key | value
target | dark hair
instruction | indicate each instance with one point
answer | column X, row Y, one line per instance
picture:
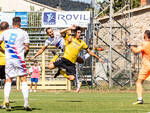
column 77, row 28
column 48, row 29
column 16, row 21
column 147, row 32
column 4, row 25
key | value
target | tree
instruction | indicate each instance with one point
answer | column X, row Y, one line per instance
column 118, row 5
column 135, row 3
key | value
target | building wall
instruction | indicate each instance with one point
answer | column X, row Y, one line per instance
column 140, row 23
column 20, row 5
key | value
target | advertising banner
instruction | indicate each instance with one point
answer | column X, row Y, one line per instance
column 24, row 18
column 65, row 18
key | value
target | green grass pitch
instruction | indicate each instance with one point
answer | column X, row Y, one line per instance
column 84, row 102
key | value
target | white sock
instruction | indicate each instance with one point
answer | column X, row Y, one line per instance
column 25, row 93
column 7, row 90
column 77, row 78
column 87, row 55
column 140, row 98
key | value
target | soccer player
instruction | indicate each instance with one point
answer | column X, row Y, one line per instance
column 16, row 49
column 144, row 72
column 34, row 71
column 66, row 33
column 55, row 39
column 72, row 49
column 3, row 26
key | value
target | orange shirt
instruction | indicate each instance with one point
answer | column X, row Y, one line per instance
column 145, row 53
column 145, row 50
column 144, row 73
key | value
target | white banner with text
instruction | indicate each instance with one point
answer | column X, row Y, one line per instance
column 65, row 18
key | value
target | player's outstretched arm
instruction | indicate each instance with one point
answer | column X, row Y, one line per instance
column 93, row 54
column 134, row 48
column 69, row 28
column 38, row 53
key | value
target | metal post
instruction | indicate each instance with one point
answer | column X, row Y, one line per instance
column 92, row 35
column 43, row 69
column 92, row 26
column 111, row 37
column 129, row 14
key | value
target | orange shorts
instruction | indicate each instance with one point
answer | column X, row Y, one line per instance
column 144, row 73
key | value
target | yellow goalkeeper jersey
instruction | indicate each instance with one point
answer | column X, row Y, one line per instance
column 72, row 49
column 66, row 39
column 2, row 56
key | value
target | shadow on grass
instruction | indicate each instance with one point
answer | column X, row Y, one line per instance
column 14, row 108
column 141, row 104
column 11, row 101
column 69, row 101
column 146, row 103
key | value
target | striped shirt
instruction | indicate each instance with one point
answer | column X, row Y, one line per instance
column 56, row 41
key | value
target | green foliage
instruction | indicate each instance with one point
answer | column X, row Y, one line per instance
column 135, row 3
column 119, row 4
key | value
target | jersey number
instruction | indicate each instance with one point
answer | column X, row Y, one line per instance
column 12, row 39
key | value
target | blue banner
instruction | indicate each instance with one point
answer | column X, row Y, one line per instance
column 49, row 18
column 24, row 18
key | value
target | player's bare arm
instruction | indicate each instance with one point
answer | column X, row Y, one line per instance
column 39, row 52
column 69, row 28
column 26, row 49
column 93, row 54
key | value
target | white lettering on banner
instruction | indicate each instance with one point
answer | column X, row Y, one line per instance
column 65, row 19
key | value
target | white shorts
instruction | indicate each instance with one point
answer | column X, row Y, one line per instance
column 15, row 68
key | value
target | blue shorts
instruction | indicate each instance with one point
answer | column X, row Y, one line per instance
column 34, row 80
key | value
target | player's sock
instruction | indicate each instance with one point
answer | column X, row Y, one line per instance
column 78, row 86
column 140, row 98
column 64, row 74
column 54, row 58
column 87, row 55
column 3, row 101
column 7, row 90
column 25, row 93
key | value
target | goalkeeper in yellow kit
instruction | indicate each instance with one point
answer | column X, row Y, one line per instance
column 72, row 48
